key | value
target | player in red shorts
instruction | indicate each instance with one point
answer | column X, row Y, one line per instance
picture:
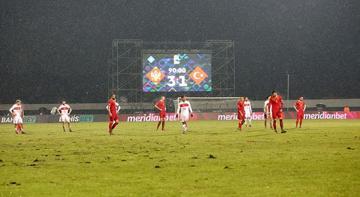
column 276, row 105
column 161, row 106
column 241, row 112
column 113, row 116
column 300, row 107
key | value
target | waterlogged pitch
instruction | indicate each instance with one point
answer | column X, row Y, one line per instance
column 213, row 159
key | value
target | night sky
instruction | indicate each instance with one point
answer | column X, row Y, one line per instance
column 50, row 50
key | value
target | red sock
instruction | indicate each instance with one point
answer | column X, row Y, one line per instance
column 274, row 124
column 281, row 124
column 163, row 125
column 158, row 125
column 110, row 126
column 297, row 122
column 114, row 125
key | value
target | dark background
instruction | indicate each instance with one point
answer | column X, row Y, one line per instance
column 51, row 50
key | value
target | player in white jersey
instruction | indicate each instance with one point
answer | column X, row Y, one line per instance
column 248, row 112
column 184, row 112
column 64, row 111
column 267, row 112
column 17, row 112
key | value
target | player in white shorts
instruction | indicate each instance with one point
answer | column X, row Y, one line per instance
column 64, row 111
column 267, row 112
column 248, row 112
column 17, row 112
column 184, row 112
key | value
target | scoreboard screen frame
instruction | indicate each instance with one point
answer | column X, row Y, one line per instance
column 192, row 73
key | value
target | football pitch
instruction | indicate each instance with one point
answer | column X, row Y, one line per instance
column 213, row 159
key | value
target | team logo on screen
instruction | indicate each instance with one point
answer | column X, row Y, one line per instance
column 155, row 75
column 198, row 75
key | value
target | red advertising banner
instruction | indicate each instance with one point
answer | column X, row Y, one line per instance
column 150, row 117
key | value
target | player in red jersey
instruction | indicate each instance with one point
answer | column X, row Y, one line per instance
column 300, row 107
column 161, row 106
column 241, row 112
column 276, row 105
column 112, row 111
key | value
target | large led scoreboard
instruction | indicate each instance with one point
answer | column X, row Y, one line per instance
column 176, row 71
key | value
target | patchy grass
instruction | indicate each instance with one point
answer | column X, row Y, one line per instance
column 213, row 159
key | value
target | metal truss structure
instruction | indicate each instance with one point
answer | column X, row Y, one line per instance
column 125, row 67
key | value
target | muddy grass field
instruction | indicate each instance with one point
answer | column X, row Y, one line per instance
column 213, row 159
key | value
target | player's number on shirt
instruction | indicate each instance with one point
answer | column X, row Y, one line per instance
column 172, row 81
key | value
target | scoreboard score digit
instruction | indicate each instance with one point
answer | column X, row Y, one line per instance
column 177, row 72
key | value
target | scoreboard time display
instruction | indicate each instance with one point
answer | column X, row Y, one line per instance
column 176, row 72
